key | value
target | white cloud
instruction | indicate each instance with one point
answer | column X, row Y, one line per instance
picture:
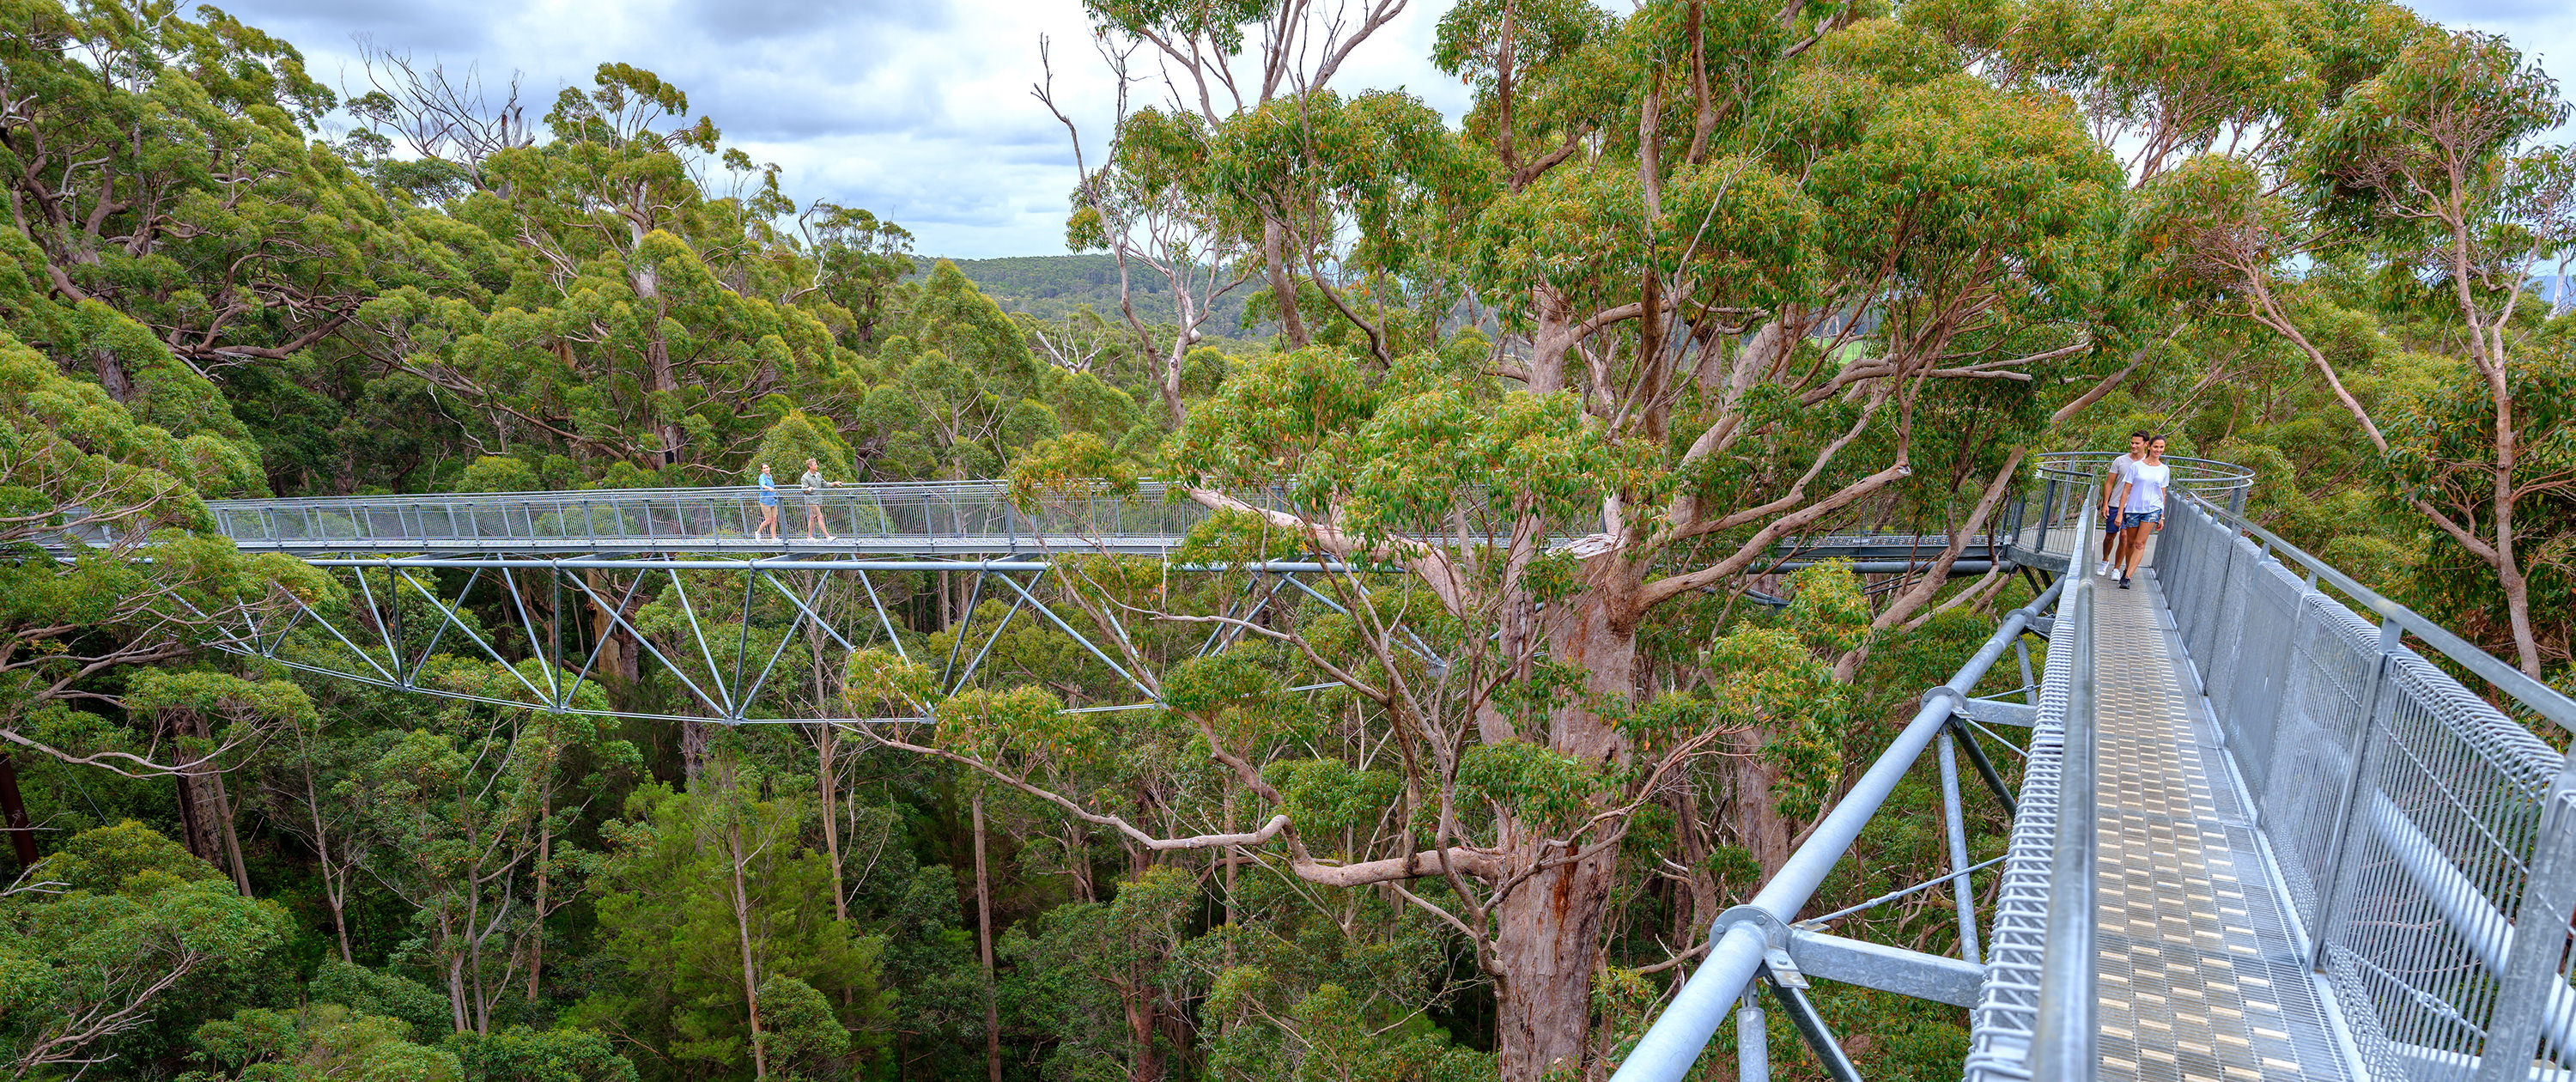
column 918, row 110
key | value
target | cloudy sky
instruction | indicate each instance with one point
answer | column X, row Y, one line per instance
column 918, row 110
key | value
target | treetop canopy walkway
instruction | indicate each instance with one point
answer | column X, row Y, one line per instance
column 2270, row 824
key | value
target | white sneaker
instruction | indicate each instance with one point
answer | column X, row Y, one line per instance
column 2104, row 568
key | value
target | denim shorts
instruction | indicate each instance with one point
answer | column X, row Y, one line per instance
column 2131, row 520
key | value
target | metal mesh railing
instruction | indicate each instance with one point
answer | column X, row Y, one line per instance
column 975, row 512
column 2420, row 832
column 2006, row 1018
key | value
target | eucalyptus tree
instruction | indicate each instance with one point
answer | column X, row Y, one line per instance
column 157, row 165
column 856, row 260
column 1152, row 202
column 2431, row 170
column 117, row 927
column 82, row 469
column 468, row 820
column 1743, row 261
column 722, row 945
column 636, row 318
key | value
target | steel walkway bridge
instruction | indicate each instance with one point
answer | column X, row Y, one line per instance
column 414, row 567
column 2268, row 824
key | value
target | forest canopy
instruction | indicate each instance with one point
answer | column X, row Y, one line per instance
column 1686, row 280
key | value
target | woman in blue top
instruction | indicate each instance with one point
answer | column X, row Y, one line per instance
column 768, row 505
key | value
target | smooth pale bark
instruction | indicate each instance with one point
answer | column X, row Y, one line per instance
column 335, row 883
column 830, row 769
column 736, row 858
column 545, row 854
column 984, row 949
column 665, row 381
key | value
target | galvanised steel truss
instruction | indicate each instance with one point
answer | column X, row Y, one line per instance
column 838, row 604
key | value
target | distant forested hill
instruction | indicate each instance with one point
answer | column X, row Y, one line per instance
column 1050, row 286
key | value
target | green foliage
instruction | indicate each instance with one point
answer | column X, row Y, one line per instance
column 370, row 992
column 321, row 1041
column 520, row 1054
column 703, row 890
column 1686, row 281
column 137, row 927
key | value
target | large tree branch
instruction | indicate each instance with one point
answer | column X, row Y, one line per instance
column 1938, row 574
column 1473, row 862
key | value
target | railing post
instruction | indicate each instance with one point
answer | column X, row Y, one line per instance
column 2348, row 807
column 2048, row 517
column 1752, row 1037
column 2531, row 983
column 1956, row 816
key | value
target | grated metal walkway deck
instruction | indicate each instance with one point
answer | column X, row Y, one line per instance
column 2201, row 976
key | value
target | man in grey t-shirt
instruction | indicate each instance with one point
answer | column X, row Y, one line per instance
column 814, row 484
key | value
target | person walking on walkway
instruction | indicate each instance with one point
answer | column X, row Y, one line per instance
column 814, row 484
column 2142, row 506
column 2111, row 482
column 768, row 506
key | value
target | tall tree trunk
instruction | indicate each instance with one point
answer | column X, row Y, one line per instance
column 227, row 839
column 1283, row 286
column 1141, row 1028
column 693, row 748
column 618, row 653
column 665, row 381
column 111, row 373
column 824, row 792
column 537, row 924
column 1764, row 832
column 22, row 837
column 456, row 992
column 195, row 823
column 1547, row 946
column 984, row 950
column 742, row 930
column 1547, row 931
column 334, row 892
column 1691, row 899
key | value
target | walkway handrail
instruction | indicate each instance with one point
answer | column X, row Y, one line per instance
column 2533, row 695
column 2064, row 1047
column 1745, row 934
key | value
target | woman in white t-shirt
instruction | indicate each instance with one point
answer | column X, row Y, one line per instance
column 2142, row 505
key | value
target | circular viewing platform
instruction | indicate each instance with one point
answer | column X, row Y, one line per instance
column 2039, row 529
